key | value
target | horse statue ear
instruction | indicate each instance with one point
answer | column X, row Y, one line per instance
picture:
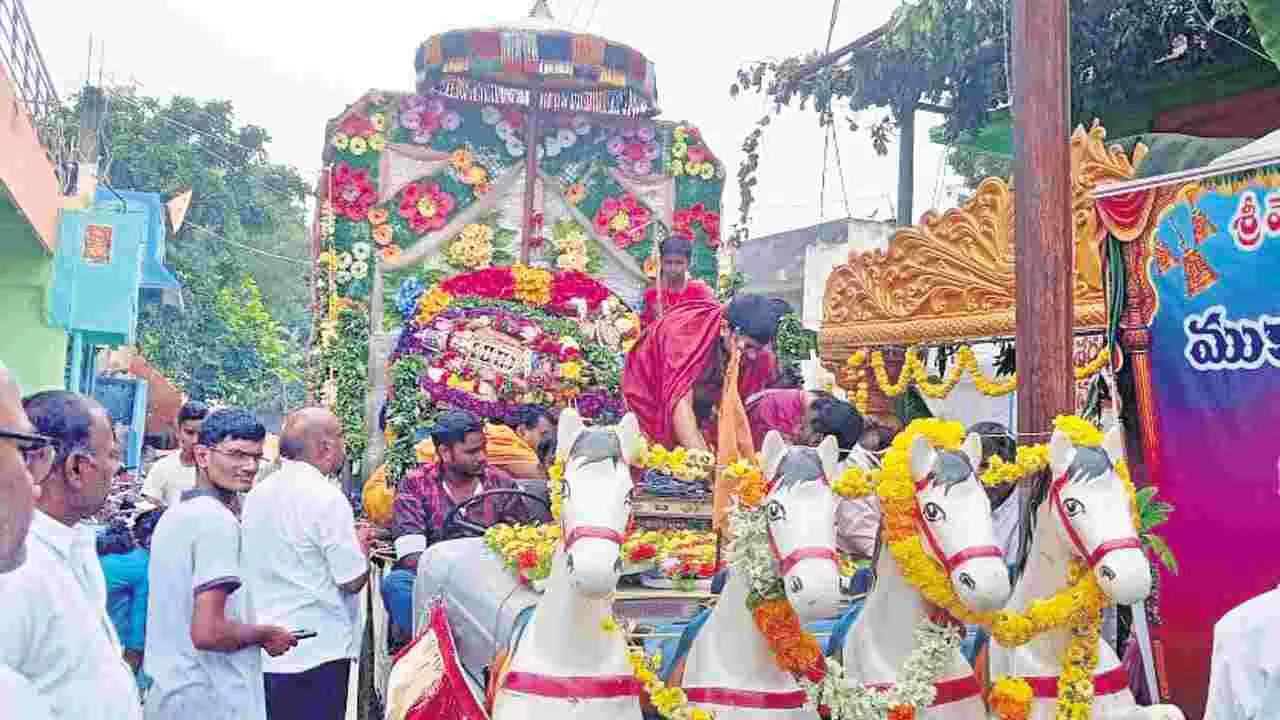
column 922, row 456
column 829, row 454
column 773, row 450
column 1060, row 453
column 569, row 427
column 631, row 440
column 1113, row 444
column 972, row 448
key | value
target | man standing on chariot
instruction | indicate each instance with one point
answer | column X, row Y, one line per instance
column 676, row 286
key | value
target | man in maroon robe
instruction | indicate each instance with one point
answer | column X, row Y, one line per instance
column 674, row 375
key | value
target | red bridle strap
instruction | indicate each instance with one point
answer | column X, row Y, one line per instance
column 585, row 687
column 1095, row 556
column 1108, row 683
column 813, row 552
column 592, row 531
column 754, row 699
column 951, row 562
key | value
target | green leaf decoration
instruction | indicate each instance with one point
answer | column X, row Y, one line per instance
column 1162, row 551
column 1265, row 15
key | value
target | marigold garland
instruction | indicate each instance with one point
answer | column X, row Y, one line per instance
column 854, row 482
column 915, row 373
column 670, row 702
column 794, row 649
column 1030, row 459
column 1010, row 698
column 1078, row 606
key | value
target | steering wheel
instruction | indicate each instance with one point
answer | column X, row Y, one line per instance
column 456, row 524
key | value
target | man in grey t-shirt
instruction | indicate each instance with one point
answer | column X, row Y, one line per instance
column 202, row 648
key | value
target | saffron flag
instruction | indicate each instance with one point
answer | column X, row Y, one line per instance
column 733, row 437
column 178, row 207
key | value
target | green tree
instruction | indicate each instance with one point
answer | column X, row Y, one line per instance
column 241, row 253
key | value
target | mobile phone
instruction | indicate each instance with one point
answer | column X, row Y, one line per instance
column 303, row 634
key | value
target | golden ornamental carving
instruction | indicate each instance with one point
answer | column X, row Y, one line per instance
column 951, row 277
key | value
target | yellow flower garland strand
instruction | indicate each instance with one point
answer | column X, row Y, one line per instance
column 1077, row 606
column 670, row 702
column 915, row 373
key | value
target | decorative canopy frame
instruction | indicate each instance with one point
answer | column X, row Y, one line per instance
column 951, row 278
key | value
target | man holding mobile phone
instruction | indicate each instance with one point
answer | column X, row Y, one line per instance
column 203, row 645
column 306, row 567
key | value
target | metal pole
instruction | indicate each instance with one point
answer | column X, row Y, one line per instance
column 906, row 165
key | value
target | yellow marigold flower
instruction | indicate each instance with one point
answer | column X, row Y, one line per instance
column 341, row 141
column 357, row 146
column 1081, row 432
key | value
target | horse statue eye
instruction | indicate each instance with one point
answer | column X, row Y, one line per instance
column 1073, row 507
column 934, row 512
column 775, row 511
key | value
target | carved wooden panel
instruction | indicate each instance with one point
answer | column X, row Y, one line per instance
column 951, row 278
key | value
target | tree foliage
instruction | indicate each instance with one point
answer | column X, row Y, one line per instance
column 238, row 338
column 956, row 54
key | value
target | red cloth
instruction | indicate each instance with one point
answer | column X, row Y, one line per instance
column 1126, row 215
column 450, row 697
column 781, row 410
column 670, row 356
column 694, row 291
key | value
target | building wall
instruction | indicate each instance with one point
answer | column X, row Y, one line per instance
column 821, row 258
column 26, row 173
column 32, row 350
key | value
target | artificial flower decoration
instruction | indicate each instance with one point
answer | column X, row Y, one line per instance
column 353, row 192
column 378, row 216
column 461, row 159
column 697, row 214
column 473, row 248
column 382, row 234
column 634, row 149
column 624, row 220
column 361, row 250
column 357, row 146
column 575, row 193
column 359, row 269
column 390, row 253
column 426, row 206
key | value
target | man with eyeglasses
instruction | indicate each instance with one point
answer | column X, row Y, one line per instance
column 55, row 629
column 203, row 645
column 19, row 445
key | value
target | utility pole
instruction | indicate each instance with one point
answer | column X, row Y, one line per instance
column 1042, row 211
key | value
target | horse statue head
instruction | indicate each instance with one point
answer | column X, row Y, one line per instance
column 595, row 498
column 953, row 518
column 800, row 509
column 1090, row 503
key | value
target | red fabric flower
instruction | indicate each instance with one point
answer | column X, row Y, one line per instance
column 527, row 560
column 353, row 192
column 426, row 207
column 356, row 126
column 697, row 155
column 624, row 220
column 646, row 551
column 570, row 284
column 682, row 222
column 497, row 283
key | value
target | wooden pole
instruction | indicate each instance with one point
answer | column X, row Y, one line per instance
column 1042, row 211
column 530, row 173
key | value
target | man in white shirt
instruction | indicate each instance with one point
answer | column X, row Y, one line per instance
column 306, row 568
column 55, row 630
column 175, row 473
column 19, row 447
column 1243, row 682
column 203, row 645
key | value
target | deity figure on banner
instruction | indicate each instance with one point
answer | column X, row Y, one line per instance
column 676, row 377
column 674, row 283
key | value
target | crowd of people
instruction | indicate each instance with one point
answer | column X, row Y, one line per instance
column 234, row 593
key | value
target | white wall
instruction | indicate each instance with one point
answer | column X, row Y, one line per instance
column 821, row 258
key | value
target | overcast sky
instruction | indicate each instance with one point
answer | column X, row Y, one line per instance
column 289, row 66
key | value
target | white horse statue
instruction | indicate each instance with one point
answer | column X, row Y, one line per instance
column 730, row 669
column 1086, row 515
column 565, row 664
column 954, row 521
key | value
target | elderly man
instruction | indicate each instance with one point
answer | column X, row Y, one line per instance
column 19, row 446
column 203, row 645
column 55, row 629
column 306, row 568
column 428, row 495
